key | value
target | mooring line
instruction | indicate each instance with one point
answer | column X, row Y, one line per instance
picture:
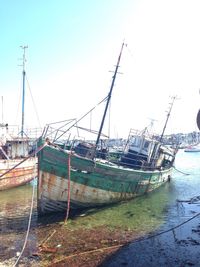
column 181, row 171
column 28, row 229
column 168, row 230
column 31, row 209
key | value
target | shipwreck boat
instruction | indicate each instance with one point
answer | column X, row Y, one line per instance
column 18, row 165
column 85, row 175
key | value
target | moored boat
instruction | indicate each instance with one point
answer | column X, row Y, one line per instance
column 84, row 174
column 18, row 165
column 14, row 173
column 192, row 148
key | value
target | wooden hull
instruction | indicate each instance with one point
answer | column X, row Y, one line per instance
column 91, row 184
column 20, row 175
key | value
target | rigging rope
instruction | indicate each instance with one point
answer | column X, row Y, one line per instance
column 82, row 117
column 18, row 105
column 33, row 102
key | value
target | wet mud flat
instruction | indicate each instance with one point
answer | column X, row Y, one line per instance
column 82, row 247
column 76, row 243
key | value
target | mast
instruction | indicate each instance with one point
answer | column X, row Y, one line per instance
column 23, row 88
column 109, row 96
column 168, row 115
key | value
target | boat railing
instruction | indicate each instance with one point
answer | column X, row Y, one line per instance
column 130, row 160
column 67, row 131
column 60, row 130
column 135, row 134
column 31, row 133
column 144, row 132
column 65, row 139
column 53, row 134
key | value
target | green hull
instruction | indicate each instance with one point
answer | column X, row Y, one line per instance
column 91, row 183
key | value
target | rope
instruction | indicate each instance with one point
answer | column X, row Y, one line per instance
column 42, row 243
column 168, row 230
column 33, row 102
column 31, row 210
column 68, row 189
column 28, row 229
column 89, row 251
column 81, row 118
column 181, row 171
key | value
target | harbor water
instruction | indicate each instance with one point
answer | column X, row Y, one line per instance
column 166, row 208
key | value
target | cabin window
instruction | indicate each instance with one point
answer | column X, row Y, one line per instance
column 146, row 145
column 136, row 142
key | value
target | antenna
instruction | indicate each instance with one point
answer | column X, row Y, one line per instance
column 151, row 122
column 23, row 88
column 168, row 114
column 24, row 47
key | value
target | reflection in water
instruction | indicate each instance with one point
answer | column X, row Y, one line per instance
column 15, row 208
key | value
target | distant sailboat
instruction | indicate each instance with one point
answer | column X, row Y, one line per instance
column 17, row 167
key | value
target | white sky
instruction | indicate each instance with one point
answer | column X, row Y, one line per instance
column 74, row 44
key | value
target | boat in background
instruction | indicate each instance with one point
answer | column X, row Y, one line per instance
column 18, row 165
column 192, row 148
column 81, row 174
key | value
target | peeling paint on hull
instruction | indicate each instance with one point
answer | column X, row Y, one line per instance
column 91, row 184
column 20, row 175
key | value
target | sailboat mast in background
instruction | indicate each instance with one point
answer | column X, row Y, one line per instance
column 23, row 87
